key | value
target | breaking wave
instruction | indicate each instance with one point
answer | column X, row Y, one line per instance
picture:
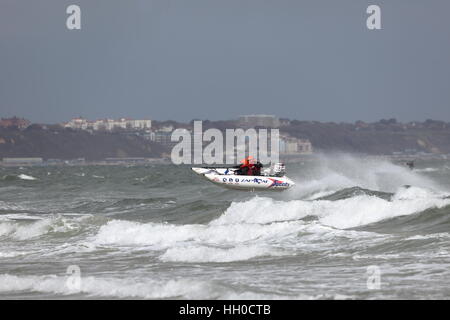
column 214, row 254
column 138, row 288
column 343, row 214
column 263, row 227
column 146, row 236
column 330, row 173
column 105, row 287
column 26, row 177
column 11, row 177
column 23, row 227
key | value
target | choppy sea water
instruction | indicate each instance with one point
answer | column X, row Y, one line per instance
column 162, row 232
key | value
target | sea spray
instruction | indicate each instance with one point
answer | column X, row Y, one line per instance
column 329, row 172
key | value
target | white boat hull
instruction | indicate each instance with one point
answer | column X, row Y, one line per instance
column 226, row 178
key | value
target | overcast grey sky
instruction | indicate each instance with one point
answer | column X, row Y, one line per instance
column 217, row 59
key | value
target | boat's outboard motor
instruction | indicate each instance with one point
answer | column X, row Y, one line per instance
column 279, row 170
column 276, row 170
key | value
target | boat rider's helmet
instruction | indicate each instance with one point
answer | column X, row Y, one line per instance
column 248, row 160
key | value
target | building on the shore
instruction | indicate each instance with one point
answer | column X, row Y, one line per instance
column 164, row 138
column 20, row 123
column 285, row 122
column 108, row 124
column 305, row 146
column 259, row 120
column 168, row 128
column 292, row 145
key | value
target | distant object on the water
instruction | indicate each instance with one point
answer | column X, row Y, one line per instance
column 410, row 164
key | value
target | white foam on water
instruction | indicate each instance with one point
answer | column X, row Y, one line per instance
column 210, row 254
column 412, row 193
column 255, row 228
column 25, row 177
column 265, row 296
column 200, row 243
column 364, row 210
column 345, row 213
column 426, row 170
column 110, row 287
column 12, row 254
column 163, row 236
column 135, row 233
column 218, row 241
column 260, row 210
column 22, row 231
column 139, row 288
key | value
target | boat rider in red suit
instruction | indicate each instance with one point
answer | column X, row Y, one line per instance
column 249, row 167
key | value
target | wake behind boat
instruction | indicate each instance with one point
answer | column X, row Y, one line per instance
column 272, row 178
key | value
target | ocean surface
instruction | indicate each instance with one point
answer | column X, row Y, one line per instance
column 351, row 228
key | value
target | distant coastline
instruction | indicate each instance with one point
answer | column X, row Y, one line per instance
column 59, row 145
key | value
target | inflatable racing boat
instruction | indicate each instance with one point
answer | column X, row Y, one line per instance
column 272, row 178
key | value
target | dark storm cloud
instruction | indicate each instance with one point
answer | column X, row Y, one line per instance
column 185, row 59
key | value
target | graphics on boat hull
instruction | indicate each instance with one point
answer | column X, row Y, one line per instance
column 225, row 177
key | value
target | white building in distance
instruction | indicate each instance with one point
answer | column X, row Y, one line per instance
column 108, row 124
column 291, row 145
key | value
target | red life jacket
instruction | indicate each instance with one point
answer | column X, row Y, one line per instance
column 251, row 169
